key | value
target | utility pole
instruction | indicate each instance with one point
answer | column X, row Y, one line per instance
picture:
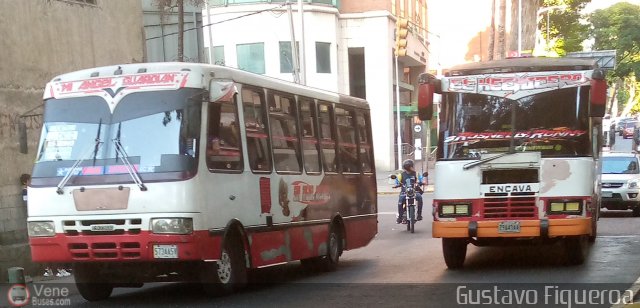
column 211, row 59
column 294, row 51
column 519, row 28
column 303, row 58
column 401, row 50
column 180, row 30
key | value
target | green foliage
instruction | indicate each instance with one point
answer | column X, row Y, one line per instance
column 564, row 25
column 617, row 27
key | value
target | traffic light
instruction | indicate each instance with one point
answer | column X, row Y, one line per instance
column 401, row 37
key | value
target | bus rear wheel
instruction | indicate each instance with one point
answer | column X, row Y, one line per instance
column 329, row 261
column 227, row 275
column 454, row 251
column 90, row 284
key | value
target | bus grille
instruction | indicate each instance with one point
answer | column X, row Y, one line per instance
column 501, row 208
column 105, row 251
column 102, row 227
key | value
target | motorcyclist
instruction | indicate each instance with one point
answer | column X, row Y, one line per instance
column 409, row 172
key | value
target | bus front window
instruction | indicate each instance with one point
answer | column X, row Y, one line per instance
column 158, row 132
column 554, row 123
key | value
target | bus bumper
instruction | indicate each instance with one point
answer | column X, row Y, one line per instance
column 528, row 228
column 131, row 248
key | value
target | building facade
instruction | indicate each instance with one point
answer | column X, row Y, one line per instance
column 348, row 47
column 41, row 39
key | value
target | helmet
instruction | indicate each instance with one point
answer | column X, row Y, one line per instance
column 407, row 164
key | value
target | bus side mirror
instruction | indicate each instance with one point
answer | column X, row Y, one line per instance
column 22, row 136
column 428, row 84
column 598, row 94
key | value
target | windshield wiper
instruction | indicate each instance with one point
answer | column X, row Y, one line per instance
column 485, row 160
column 69, row 174
column 125, row 158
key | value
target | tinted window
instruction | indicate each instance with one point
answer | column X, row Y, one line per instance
column 366, row 150
column 310, row 144
column 284, row 133
column 255, row 124
column 223, row 136
column 347, row 143
column 327, row 139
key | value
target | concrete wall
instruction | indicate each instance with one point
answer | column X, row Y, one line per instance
column 41, row 39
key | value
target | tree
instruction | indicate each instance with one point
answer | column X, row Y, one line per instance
column 617, row 28
column 566, row 31
column 167, row 6
column 492, row 31
column 502, row 42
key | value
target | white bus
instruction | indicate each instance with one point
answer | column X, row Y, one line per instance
column 181, row 171
column 518, row 153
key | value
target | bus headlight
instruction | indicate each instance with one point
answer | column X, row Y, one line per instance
column 460, row 209
column 172, row 225
column 41, row 228
column 565, row 207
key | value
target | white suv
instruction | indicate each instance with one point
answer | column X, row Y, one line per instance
column 621, row 182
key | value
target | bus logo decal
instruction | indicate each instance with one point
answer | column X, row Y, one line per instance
column 310, row 194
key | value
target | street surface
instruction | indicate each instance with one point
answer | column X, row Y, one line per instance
column 403, row 269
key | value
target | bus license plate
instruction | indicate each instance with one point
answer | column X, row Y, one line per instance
column 509, row 227
column 165, row 251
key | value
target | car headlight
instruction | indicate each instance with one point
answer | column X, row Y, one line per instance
column 172, row 225
column 461, row 209
column 633, row 184
column 41, row 228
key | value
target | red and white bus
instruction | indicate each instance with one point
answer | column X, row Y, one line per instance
column 175, row 171
column 518, row 153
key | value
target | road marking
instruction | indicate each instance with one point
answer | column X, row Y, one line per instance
column 618, row 236
column 633, row 289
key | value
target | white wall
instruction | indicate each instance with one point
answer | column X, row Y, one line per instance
column 271, row 28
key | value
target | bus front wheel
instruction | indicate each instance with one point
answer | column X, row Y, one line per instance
column 454, row 251
column 90, row 284
column 576, row 249
column 227, row 274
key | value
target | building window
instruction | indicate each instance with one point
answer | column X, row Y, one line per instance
column 286, row 57
column 251, row 57
column 91, row 2
column 218, row 55
column 323, row 57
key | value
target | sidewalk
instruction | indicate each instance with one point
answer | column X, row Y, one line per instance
column 385, row 184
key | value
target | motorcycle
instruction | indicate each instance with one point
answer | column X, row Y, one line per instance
column 409, row 205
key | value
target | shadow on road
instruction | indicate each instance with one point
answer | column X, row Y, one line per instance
column 616, row 214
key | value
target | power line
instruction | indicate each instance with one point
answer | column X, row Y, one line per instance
column 219, row 22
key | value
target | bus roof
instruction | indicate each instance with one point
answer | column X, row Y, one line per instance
column 205, row 72
column 514, row 65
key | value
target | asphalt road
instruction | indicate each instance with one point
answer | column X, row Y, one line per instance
column 408, row 270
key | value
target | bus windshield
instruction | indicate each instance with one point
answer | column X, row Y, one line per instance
column 554, row 123
column 158, row 131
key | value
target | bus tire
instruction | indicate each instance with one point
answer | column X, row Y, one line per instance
column 329, row 262
column 454, row 251
column 230, row 273
column 89, row 283
column 576, row 249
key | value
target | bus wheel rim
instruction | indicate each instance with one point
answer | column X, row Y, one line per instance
column 224, row 267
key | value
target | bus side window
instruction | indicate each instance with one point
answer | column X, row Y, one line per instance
column 285, row 141
column 364, row 127
column 310, row 144
column 224, row 151
column 253, row 105
column 347, row 144
column 327, row 139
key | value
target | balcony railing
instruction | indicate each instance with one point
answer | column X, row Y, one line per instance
column 233, row 2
